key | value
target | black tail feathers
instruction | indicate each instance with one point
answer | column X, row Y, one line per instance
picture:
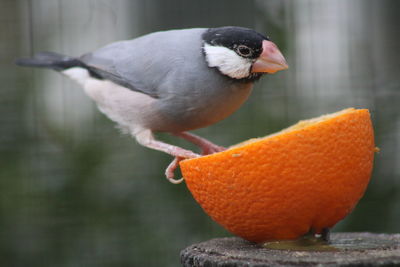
column 50, row 60
column 56, row 62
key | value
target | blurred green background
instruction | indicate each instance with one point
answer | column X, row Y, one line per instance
column 74, row 191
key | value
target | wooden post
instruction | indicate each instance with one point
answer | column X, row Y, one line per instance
column 345, row 249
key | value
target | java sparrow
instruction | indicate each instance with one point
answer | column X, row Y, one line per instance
column 171, row 81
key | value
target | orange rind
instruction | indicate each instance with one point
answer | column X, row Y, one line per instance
column 302, row 179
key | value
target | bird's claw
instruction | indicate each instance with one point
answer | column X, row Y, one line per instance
column 169, row 172
column 206, row 150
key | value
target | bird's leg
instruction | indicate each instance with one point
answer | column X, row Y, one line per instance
column 146, row 139
column 206, row 146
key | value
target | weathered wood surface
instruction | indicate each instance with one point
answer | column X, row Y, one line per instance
column 345, row 249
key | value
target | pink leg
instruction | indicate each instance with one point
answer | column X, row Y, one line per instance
column 206, row 146
column 146, row 139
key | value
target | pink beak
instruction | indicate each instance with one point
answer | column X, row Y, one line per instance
column 271, row 59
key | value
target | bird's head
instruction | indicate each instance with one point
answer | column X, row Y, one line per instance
column 241, row 53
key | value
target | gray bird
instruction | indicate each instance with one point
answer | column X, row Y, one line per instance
column 171, row 81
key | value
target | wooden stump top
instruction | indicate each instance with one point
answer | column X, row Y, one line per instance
column 345, row 249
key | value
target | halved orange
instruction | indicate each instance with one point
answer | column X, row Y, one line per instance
column 280, row 187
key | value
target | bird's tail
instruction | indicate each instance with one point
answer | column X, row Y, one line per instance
column 50, row 60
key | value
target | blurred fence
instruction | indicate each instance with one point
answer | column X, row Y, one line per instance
column 76, row 192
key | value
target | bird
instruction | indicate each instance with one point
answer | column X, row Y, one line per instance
column 171, row 81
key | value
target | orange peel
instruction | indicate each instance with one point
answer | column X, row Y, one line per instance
column 304, row 178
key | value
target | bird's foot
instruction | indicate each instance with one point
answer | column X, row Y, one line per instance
column 206, row 146
column 170, row 171
column 211, row 149
column 180, row 154
column 146, row 138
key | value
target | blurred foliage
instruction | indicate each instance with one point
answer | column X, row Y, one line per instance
column 76, row 192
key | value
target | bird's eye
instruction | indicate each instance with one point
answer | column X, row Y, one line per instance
column 244, row 51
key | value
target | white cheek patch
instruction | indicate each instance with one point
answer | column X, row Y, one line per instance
column 227, row 61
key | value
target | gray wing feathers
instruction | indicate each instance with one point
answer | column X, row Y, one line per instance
column 112, row 62
column 143, row 64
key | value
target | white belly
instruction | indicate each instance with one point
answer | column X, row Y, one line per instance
column 131, row 110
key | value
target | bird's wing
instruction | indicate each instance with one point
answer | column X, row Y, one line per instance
column 143, row 64
column 118, row 62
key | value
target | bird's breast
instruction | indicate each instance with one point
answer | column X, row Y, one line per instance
column 204, row 106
